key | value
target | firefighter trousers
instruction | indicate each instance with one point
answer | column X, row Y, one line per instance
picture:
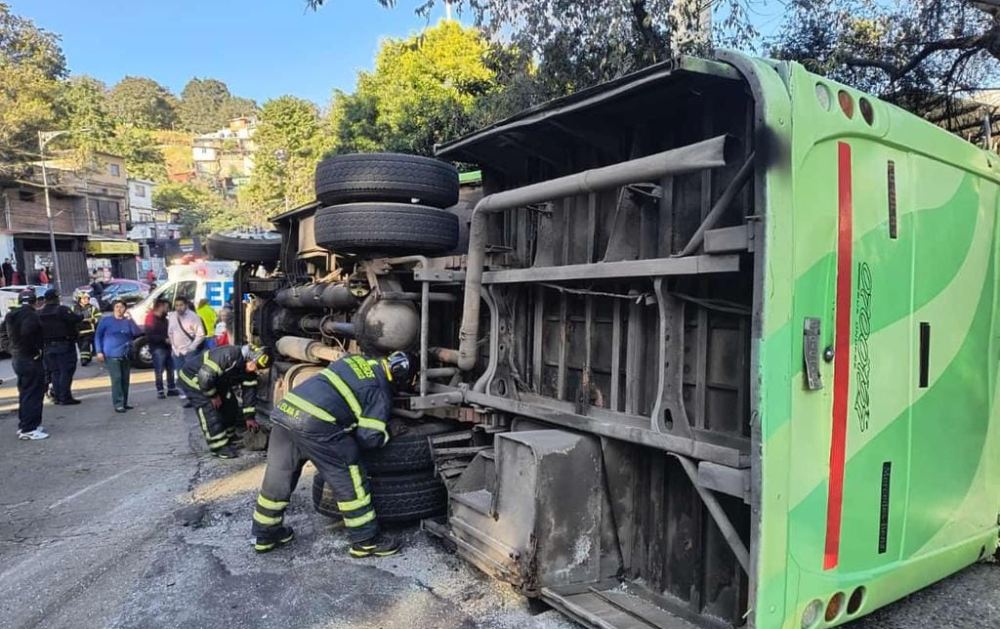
column 86, row 344
column 218, row 425
column 337, row 459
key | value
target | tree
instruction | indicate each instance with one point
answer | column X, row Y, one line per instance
column 83, row 108
column 143, row 157
column 143, row 103
column 291, row 138
column 31, row 64
column 916, row 54
column 581, row 42
column 424, row 90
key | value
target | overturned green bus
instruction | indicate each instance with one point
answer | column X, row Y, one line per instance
column 721, row 338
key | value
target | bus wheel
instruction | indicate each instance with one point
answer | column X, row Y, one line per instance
column 386, row 228
column 386, row 177
column 249, row 246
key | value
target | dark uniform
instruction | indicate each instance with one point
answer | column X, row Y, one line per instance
column 326, row 420
column 25, row 331
column 220, row 372
column 85, row 330
column 59, row 335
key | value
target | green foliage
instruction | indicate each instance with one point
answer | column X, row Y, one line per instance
column 24, row 44
column 142, row 102
column 143, row 157
column 424, row 90
column 31, row 64
column 579, row 43
column 291, row 138
column 916, row 54
column 206, row 105
column 199, row 210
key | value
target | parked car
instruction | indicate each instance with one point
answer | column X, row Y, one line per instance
column 8, row 297
column 131, row 291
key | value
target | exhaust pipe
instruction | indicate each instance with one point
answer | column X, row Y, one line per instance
column 307, row 350
column 686, row 159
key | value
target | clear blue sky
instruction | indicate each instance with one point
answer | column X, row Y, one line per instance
column 260, row 48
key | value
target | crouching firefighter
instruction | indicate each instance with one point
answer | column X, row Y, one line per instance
column 327, row 419
column 86, row 328
column 211, row 379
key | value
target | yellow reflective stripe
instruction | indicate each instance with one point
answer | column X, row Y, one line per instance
column 309, row 407
column 266, row 520
column 376, row 425
column 357, row 481
column 344, row 391
column 249, row 383
column 274, row 505
column 361, row 520
column 188, row 380
column 354, row 505
column 385, row 368
column 211, row 363
column 249, row 409
column 263, row 546
column 209, row 393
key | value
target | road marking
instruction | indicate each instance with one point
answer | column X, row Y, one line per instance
column 89, row 487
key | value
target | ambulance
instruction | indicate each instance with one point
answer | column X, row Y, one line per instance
column 188, row 277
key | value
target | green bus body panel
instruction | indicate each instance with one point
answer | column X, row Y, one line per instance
column 921, row 481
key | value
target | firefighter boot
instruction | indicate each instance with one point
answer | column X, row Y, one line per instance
column 281, row 536
column 379, row 546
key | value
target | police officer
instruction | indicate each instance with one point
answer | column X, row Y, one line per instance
column 59, row 335
column 327, row 420
column 211, row 379
column 86, row 328
column 24, row 329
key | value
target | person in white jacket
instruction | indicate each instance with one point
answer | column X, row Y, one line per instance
column 186, row 332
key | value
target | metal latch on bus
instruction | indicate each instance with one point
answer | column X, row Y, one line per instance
column 811, row 353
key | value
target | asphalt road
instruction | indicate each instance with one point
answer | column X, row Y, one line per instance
column 124, row 521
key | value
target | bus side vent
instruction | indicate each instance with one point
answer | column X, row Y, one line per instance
column 891, row 173
column 925, row 352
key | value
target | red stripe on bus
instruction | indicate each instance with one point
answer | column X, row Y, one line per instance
column 842, row 354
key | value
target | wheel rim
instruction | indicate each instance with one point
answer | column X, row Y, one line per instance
column 145, row 354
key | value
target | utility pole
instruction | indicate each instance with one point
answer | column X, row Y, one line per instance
column 44, row 137
column 447, row 10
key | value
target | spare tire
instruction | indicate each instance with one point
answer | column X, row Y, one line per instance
column 386, row 177
column 385, row 228
column 252, row 246
column 407, row 451
column 398, row 498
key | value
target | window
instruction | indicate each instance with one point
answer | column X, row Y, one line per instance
column 187, row 290
column 140, row 190
column 27, row 196
column 114, row 170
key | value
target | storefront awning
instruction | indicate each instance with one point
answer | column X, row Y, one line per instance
column 112, row 247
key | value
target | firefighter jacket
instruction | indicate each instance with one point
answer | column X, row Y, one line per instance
column 220, row 371
column 354, row 393
column 90, row 315
column 58, row 323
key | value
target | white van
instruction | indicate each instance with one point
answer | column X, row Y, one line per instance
column 195, row 280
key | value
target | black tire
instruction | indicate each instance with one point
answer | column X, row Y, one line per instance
column 398, row 498
column 245, row 246
column 386, row 177
column 386, row 228
column 406, row 452
column 141, row 356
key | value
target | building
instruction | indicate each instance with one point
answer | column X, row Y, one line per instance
column 88, row 206
column 225, row 157
column 155, row 231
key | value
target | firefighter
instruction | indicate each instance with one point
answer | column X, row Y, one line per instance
column 211, row 379
column 59, row 335
column 25, row 332
column 85, row 330
column 328, row 419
